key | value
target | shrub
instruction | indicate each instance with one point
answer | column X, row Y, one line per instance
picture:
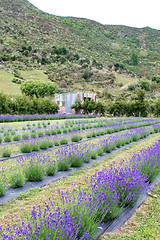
column 64, row 130
column 63, row 141
column 51, row 169
column 25, row 136
column 100, row 108
column 56, row 143
column 13, row 133
column 94, row 134
column 136, row 137
column 16, row 138
column 34, row 172
column 58, row 131
column 109, row 147
column 6, row 153
column 33, row 135
column 53, row 132
column 144, row 84
column 64, row 165
column 17, row 180
column 44, row 145
column 89, row 135
column 94, row 155
column 77, row 161
column 35, row 147
column 87, row 74
column 26, row 148
column 76, row 138
column 50, row 144
column 7, row 138
column 40, row 134
column 2, row 189
column 131, row 87
column 48, row 133
column 100, row 151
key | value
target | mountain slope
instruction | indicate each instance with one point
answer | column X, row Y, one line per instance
column 62, row 46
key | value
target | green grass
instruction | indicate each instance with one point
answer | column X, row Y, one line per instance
column 125, row 79
column 10, row 88
column 6, row 84
column 33, row 75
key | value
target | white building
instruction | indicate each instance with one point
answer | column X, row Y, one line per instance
column 66, row 100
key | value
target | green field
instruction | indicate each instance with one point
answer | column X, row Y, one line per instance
column 33, row 75
column 6, row 84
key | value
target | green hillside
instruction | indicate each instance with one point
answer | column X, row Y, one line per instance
column 77, row 54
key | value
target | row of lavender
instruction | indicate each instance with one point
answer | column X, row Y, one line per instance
column 78, row 214
column 15, row 133
column 32, row 132
column 18, row 118
column 56, row 138
column 34, row 166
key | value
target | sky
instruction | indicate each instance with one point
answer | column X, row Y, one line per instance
column 133, row 13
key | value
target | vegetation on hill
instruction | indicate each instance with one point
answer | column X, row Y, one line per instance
column 76, row 54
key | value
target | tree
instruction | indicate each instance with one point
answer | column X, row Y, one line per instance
column 117, row 108
column 134, row 59
column 38, row 88
column 140, row 95
column 4, row 108
column 157, row 108
column 156, row 78
column 87, row 74
column 48, row 106
column 131, row 87
column 144, row 84
column 100, row 108
column 141, row 105
column 23, row 104
column 88, row 106
column 77, row 105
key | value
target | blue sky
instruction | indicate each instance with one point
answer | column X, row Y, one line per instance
column 136, row 13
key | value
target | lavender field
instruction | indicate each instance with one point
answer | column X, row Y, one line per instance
column 93, row 194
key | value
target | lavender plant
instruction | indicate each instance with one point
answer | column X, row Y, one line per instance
column 6, row 153
column 63, row 141
column 2, row 188
column 26, row 148
column 16, row 138
column 17, row 180
column 51, row 168
column 79, row 213
column 34, row 172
